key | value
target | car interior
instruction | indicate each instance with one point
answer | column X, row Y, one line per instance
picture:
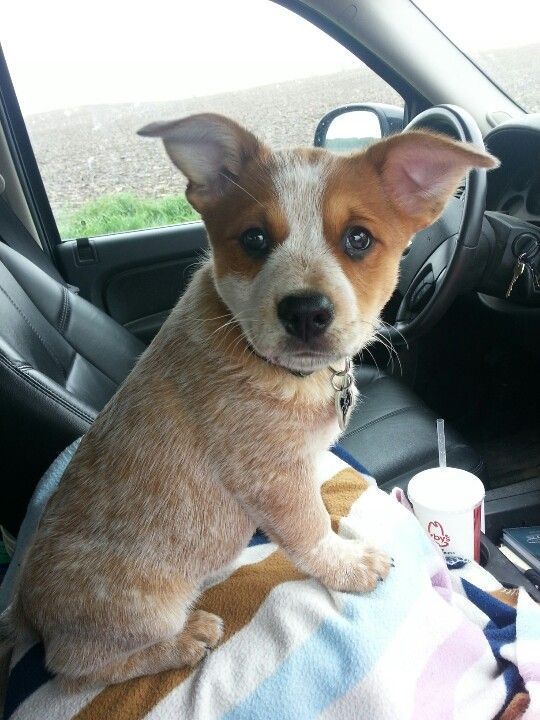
column 76, row 314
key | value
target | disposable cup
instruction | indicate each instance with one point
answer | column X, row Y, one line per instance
column 449, row 504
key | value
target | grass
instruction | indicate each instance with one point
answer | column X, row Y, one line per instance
column 125, row 211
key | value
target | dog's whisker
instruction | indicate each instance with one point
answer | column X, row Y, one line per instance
column 224, row 326
column 390, row 356
column 393, row 327
column 241, row 188
column 228, row 326
column 391, row 350
column 231, row 347
column 209, row 319
column 249, row 350
column 234, row 320
column 372, row 357
column 386, row 342
column 227, row 338
column 265, row 185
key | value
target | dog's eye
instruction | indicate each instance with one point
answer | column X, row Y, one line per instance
column 255, row 241
column 357, row 241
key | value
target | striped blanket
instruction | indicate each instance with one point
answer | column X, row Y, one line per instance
column 427, row 643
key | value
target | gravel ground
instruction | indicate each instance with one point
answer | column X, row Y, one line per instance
column 92, row 151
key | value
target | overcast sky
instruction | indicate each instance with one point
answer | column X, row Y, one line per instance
column 64, row 53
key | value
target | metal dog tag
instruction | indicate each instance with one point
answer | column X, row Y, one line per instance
column 344, row 406
column 344, row 400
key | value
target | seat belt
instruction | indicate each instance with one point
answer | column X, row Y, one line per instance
column 14, row 234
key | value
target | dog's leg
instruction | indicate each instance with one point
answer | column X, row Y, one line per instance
column 146, row 633
column 201, row 632
column 291, row 511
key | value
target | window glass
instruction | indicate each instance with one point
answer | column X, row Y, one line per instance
column 88, row 75
column 501, row 37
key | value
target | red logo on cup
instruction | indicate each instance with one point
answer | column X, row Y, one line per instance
column 436, row 530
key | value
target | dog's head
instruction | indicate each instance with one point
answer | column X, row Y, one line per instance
column 306, row 244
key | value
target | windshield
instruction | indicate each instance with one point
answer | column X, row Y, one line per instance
column 502, row 37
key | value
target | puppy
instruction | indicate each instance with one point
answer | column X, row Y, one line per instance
column 217, row 430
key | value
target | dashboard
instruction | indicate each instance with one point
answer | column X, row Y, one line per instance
column 514, row 188
column 513, row 205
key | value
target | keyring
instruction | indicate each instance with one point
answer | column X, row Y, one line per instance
column 342, row 387
column 343, row 372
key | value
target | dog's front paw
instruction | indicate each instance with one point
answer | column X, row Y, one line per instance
column 351, row 565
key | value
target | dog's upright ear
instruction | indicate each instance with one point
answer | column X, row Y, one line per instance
column 209, row 149
column 420, row 170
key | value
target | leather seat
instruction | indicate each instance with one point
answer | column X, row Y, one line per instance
column 393, row 433
column 61, row 359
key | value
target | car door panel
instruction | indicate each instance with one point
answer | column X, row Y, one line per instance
column 136, row 277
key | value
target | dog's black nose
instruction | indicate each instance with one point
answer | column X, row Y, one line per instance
column 306, row 316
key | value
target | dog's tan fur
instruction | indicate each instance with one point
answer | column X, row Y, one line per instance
column 205, row 441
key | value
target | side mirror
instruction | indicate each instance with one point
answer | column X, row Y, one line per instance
column 353, row 127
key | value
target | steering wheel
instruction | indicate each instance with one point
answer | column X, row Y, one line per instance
column 440, row 259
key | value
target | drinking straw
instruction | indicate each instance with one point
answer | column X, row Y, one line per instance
column 441, row 442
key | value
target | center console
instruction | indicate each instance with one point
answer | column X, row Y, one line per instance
column 510, row 506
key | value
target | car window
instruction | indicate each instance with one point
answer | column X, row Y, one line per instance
column 502, row 38
column 100, row 72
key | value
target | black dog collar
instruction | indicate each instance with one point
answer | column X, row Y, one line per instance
column 296, row 373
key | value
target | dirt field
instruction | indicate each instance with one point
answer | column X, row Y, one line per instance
column 91, row 151
column 94, row 150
